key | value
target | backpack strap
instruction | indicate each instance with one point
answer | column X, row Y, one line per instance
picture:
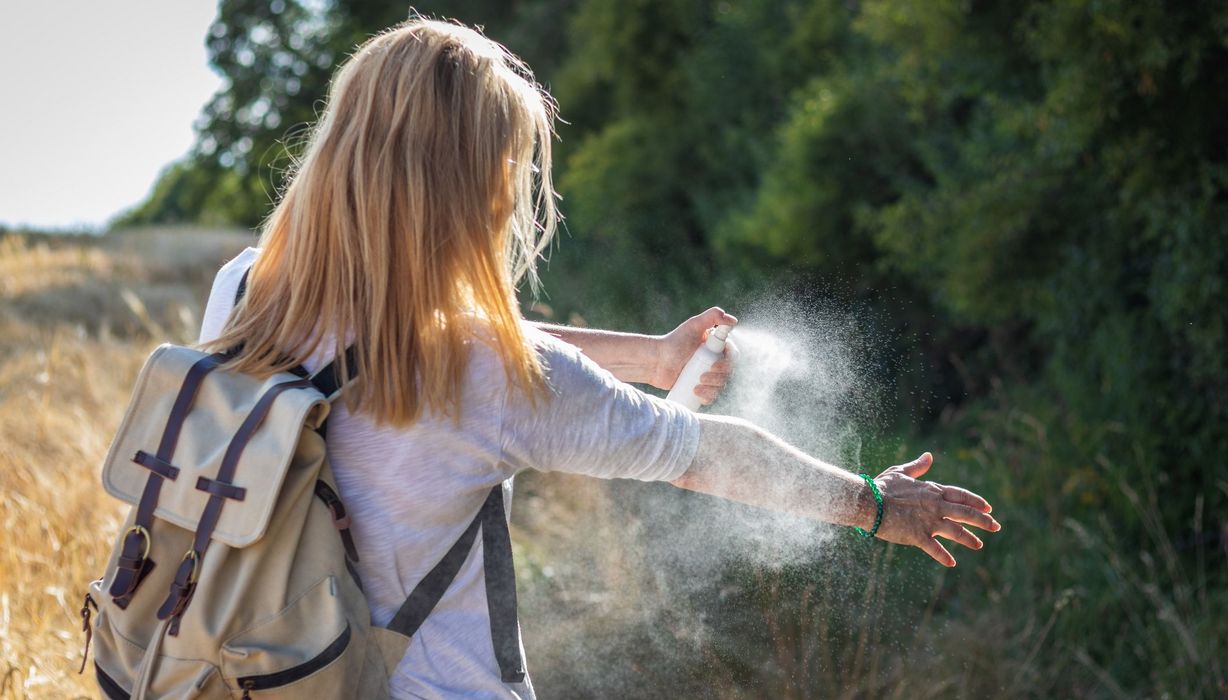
column 501, row 587
column 500, row 576
column 134, row 563
column 220, row 489
column 498, row 567
column 326, row 380
column 242, row 289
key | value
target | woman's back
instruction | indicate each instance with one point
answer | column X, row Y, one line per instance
column 413, row 490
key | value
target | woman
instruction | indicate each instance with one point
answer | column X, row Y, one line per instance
column 423, row 198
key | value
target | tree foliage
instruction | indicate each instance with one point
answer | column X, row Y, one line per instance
column 1044, row 182
column 1028, row 192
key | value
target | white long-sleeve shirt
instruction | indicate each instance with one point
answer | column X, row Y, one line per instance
column 413, row 491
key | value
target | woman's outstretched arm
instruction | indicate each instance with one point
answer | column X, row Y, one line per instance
column 655, row 360
column 742, row 462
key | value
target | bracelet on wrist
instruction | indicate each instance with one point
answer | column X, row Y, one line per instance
column 878, row 500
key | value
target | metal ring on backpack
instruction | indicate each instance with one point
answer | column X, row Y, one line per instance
column 194, row 574
column 140, row 530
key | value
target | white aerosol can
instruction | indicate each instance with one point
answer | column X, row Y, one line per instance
column 703, row 359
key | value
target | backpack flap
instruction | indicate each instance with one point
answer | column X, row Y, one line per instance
column 222, row 403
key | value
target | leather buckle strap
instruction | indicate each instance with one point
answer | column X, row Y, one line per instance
column 135, row 563
column 182, row 589
column 132, row 566
column 341, row 518
column 220, row 488
column 138, row 531
column 162, row 468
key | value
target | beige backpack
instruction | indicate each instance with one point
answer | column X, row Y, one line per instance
column 234, row 576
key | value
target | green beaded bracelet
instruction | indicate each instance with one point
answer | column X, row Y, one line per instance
column 878, row 499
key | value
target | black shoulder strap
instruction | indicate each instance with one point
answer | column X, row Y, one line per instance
column 326, row 380
column 242, row 286
column 499, row 568
column 500, row 577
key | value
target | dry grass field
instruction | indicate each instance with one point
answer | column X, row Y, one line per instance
column 77, row 317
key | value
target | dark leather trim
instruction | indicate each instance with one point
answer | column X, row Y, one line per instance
column 111, row 689
column 127, row 580
column 269, row 681
column 230, row 461
column 151, row 462
column 341, row 518
column 184, row 584
column 220, row 488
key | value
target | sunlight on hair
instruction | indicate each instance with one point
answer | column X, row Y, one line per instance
column 423, row 198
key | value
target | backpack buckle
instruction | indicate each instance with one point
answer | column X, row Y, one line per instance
column 193, row 573
column 148, row 541
column 181, row 592
column 130, row 568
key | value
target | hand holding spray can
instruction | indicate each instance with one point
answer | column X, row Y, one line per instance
column 703, row 359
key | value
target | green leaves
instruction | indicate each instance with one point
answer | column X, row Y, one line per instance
column 1022, row 188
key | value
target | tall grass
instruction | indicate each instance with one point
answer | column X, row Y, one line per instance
column 77, row 318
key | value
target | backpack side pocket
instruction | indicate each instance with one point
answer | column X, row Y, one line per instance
column 308, row 649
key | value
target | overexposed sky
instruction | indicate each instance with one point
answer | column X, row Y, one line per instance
column 96, row 97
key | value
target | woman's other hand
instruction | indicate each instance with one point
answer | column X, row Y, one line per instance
column 917, row 512
column 677, row 346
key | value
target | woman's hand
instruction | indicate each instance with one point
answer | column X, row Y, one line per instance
column 916, row 512
column 677, row 346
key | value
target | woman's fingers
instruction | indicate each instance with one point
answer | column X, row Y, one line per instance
column 970, row 516
column 713, row 381
column 958, row 533
column 955, row 494
column 731, row 351
column 919, row 466
column 707, row 394
column 932, row 547
column 721, row 369
column 714, row 316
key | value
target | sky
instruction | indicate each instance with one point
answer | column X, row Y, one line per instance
column 96, row 97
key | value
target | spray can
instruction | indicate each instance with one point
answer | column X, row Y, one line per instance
column 703, row 359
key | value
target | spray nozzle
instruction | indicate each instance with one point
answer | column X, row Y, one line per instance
column 717, row 337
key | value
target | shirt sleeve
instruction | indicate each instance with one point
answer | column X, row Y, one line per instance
column 222, row 296
column 590, row 423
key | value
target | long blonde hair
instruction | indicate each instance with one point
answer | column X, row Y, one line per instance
column 422, row 200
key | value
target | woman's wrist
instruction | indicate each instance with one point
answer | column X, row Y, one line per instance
column 876, row 506
column 656, row 351
column 866, row 506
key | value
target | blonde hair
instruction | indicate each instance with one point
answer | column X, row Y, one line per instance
column 423, row 198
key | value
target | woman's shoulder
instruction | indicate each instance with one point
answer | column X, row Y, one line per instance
column 222, row 295
column 227, row 279
column 242, row 260
column 563, row 364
